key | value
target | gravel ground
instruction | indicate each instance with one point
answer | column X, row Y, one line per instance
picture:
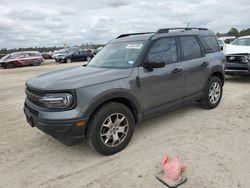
column 214, row 144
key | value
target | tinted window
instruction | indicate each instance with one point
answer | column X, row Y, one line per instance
column 190, row 47
column 163, row 50
column 210, row 44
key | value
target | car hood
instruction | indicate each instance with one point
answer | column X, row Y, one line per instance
column 235, row 49
column 76, row 77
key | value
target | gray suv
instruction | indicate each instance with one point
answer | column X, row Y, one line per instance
column 134, row 77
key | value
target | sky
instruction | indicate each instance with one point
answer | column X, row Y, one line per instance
column 44, row 23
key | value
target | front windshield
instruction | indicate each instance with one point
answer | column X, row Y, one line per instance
column 118, row 55
column 242, row 42
column 63, row 51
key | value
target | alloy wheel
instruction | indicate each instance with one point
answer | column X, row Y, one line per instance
column 214, row 93
column 114, row 130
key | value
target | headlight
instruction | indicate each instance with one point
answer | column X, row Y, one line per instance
column 57, row 100
column 246, row 59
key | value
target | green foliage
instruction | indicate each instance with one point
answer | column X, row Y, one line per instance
column 235, row 32
column 46, row 49
column 40, row 49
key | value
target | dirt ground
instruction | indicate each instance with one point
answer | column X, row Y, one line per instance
column 214, row 144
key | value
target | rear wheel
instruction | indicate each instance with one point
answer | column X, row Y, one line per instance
column 36, row 63
column 213, row 93
column 110, row 128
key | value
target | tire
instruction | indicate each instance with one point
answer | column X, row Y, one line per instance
column 36, row 63
column 68, row 60
column 102, row 135
column 9, row 66
column 89, row 58
column 213, row 93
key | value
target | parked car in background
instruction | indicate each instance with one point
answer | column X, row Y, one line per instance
column 18, row 59
column 134, row 77
column 238, row 56
column 74, row 56
column 64, row 51
column 225, row 40
column 57, row 53
column 47, row 55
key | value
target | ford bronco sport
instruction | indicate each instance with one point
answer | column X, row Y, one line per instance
column 134, row 77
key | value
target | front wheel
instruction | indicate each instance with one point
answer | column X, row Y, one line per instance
column 68, row 60
column 213, row 93
column 9, row 66
column 88, row 58
column 110, row 128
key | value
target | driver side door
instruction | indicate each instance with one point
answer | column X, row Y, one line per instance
column 163, row 87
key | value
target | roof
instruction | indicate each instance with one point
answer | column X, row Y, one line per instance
column 247, row 36
column 161, row 33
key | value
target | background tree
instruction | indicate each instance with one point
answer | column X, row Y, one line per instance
column 233, row 32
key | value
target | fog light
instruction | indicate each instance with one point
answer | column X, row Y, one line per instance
column 80, row 123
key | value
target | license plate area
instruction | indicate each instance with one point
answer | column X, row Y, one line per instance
column 29, row 118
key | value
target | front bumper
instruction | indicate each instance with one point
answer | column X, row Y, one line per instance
column 61, row 59
column 65, row 131
column 237, row 69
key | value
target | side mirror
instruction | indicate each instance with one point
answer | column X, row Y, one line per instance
column 152, row 65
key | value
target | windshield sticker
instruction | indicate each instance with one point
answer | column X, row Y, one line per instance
column 134, row 46
column 131, row 62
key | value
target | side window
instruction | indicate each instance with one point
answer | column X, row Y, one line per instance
column 210, row 44
column 190, row 47
column 163, row 50
column 21, row 56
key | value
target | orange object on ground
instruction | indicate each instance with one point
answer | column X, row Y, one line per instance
column 172, row 172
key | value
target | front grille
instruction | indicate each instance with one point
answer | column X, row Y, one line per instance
column 236, row 59
column 34, row 96
column 237, row 68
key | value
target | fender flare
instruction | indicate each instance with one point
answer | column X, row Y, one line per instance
column 114, row 95
column 217, row 69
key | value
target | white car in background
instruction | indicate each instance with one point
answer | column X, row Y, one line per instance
column 238, row 56
column 225, row 40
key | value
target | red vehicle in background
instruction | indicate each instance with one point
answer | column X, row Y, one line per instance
column 18, row 59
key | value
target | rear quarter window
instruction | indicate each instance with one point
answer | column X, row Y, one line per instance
column 210, row 44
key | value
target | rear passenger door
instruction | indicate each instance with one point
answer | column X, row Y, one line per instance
column 194, row 65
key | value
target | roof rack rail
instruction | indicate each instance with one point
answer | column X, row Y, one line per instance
column 128, row 34
column 166, row 30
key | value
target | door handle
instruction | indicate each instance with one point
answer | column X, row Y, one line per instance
column 205, row 64
column 176, row 70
